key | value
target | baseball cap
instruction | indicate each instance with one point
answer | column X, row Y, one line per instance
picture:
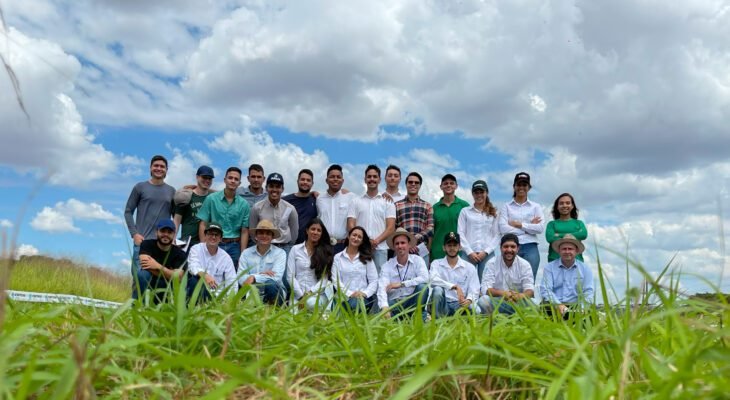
column 448, row 177
column 452, row 237
column 213, row 226
column 205, row 170
column 166, row 224
column 479, row 185
column 275, row 177
column 522, row 177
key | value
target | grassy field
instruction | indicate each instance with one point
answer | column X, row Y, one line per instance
column 243, row 349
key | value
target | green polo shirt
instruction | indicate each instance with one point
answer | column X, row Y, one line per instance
column 231, row 216
column 445, row 219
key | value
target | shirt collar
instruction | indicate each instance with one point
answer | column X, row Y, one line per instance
column 527, row 202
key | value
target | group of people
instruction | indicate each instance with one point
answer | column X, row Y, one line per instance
column 383, row 251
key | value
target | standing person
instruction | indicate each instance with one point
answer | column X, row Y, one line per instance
column 255, row 191
column 152, row 201
column 479, row 228
column 160, row 261
column 186, row 212
column 214, row 266
column 525, row 219
column 507, row 279
column 303, row 201
column 280, row 212
column 567, row 283
column 392, row 182
column 231, row 212
column 445, row 215
column 454, row 280
column 354, row 273
column 309, row 268
column 565, row 220
column 373, row 212
column 263, row 265
column 403, row 282
column 333, row 206
column 415, row 214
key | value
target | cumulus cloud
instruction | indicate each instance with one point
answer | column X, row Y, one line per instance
column 26, row 250
column 61, row 217
column 4, row 223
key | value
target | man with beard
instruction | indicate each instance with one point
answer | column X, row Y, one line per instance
column 507, row 279
column 189, row 201
column 214, row 266
column 333, row 205
column 152, row 201
column 415, row 214
column 454, row 280
column 303, row 201
column 280, row 212
column 160, row 261
column 445, row 215
column 255, row 190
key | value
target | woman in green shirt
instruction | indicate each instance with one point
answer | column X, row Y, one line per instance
column 565, row 220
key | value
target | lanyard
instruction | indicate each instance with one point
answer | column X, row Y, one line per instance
column 405, row 275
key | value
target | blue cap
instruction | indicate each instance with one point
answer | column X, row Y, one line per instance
column 205, row 170
column 166, row 223
column 275, row 178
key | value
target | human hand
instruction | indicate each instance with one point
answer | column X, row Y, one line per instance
column 515, row 224
column 562, row 308
column 358, row 295
column 393, row 285
column 268, row 273
column 536, row 220
column 474, row 257
column 148, row 263
column 210, row 281
column 137, row 239
column 465, row 303
column 250, row 280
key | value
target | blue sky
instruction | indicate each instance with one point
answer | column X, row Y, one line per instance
column 633, row 121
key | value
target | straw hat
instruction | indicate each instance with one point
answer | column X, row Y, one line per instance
column 568, row 238
column 401, row 232
column 266, row 225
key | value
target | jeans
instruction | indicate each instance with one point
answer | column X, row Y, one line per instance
column 204, row 295
column 379, row 258
column 443, row 307
column 234, row 250
column 353, row 304
column 405, row 306
column 148, row 281
column 489, row 304
column 480, row 265
column 271, row 292
column 529, row 252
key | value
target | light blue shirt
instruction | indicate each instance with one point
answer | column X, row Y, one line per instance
column 561, row 285
column 254, row 264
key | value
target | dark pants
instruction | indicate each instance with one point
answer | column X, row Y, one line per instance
column 357, row 305
column 405, row 306
column 147, row 281
column 234, row 250
column 271, row 292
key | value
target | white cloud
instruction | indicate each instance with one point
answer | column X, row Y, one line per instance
column 62, row 216
column 4, row 223
column 26, row 250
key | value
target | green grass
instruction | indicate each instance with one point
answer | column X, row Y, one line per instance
column 243, row 349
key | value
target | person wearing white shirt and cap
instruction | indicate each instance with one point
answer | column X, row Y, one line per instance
column 210, row 264
column 353, row 272
column 507, row 279
column 478, row 228
column 454, row 280
column 403, row 282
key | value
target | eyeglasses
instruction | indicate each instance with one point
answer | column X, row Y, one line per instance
column 413, row 183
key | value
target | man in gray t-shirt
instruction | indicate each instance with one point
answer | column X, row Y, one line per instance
column 152, row 201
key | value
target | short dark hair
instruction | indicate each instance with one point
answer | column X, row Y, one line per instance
column 509, row 237
column 391, row 166
column 372, row 166
column 158, row 158
column 417, row 175
column 234, row 169
column 448, row 177
column 305, row 171
column 334, row 167
column 254, row 167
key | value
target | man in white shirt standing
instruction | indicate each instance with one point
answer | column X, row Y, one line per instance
column 454, row 280
column 507, row 279
column 403, row 282
column 214, row 266
column 375, row 214
column 333, row 206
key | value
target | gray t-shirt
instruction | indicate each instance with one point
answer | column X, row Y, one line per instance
column 152, row 203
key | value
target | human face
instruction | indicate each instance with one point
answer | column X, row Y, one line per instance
column 158, row 170
column 413, row 185
column 335, row 180
column 452, row 249
column 274, row 190
column 165, row 236
column 400, row 243
column 448, row 187
column 521, row 189
column 305, row 182
column 480, row 196
column 355, row 238
column 204, row 182
column 255, row 179
column 565, row 206
column 213, row 237
column 264, row 237
column 232, row 180
column 509, row 252
column 392, row 178
column 314, row 233
column 567, row 254
column 372, row 179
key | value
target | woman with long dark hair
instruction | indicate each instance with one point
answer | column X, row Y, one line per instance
column 353, row 271
column 565, row 221
column 309, row 268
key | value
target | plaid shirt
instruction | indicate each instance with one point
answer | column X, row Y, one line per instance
column 415, row 217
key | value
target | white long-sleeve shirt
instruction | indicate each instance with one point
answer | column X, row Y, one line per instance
column 301, row 276
column 333, row 210
column 412, row 274
column 218, row 265
column 525, row 212
column 497, row 275
column 463, row 274
column 478, row 230
column 351, row 275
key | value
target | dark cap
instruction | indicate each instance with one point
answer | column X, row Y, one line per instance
column 509, row 237
column 275, row 178
column 522, row 177
column 166, row 224
column 213, row 226
column 452, row 237
column 448, row 177
column 205, row 170
column 479, row 185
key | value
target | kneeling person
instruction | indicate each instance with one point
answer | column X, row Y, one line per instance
column 454, row 280
column 208, row 262
column 403, row 282
column 263, row 265
column 507, row 279
column 159, row 260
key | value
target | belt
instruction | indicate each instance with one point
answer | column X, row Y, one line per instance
column 231, row 240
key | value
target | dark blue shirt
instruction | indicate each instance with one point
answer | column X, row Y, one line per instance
column 306, row 209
